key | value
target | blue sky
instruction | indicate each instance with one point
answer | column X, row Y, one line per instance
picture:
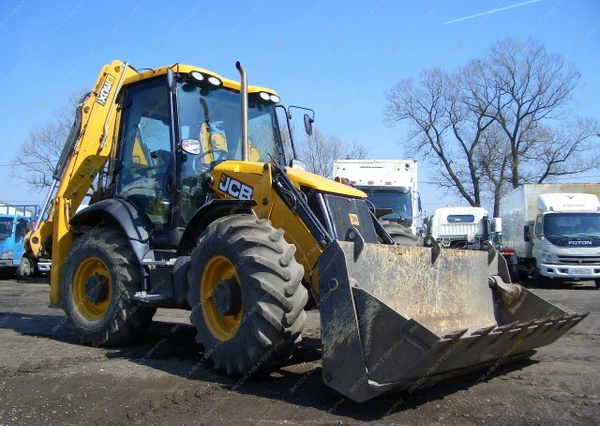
column 337, row 57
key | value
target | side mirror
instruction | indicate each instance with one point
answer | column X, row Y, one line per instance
column 526, row 233
column 498, row 224
column 298, row 164
column 308, row 121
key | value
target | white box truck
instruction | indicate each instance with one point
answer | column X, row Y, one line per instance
column 555, row 230
column 391, row 185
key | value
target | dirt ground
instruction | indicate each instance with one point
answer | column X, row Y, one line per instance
column 46, row 377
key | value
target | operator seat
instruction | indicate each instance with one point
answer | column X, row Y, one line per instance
column 213, row 141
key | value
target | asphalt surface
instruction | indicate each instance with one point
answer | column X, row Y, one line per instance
column 47, row 377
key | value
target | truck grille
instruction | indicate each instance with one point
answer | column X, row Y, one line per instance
column 579, row 260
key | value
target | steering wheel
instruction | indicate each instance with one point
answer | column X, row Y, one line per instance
column 200, row 167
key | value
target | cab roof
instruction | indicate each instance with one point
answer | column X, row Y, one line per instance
column 186, row 69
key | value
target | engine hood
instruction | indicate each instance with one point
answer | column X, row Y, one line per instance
column 310, row 180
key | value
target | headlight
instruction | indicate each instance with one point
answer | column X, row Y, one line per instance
column 549, row 257
column 7, row 255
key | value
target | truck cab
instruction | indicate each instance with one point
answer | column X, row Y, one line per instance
column 462, row 227
column 391, row 188
column 566, row 237
column 15, row 222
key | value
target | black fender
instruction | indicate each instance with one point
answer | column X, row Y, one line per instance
column 206, row 214
column 116, row 213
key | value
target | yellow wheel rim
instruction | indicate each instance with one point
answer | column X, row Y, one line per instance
column 218, row 269
column 89, row 309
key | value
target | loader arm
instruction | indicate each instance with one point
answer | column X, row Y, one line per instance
column 81, row 161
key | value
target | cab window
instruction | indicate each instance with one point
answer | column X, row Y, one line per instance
column 145, row 151
column 538, row 227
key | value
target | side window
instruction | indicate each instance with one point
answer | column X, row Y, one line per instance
column 260, row 134
column 285, row 135
column 145, row 151
column 538, row 226
column 463, row 218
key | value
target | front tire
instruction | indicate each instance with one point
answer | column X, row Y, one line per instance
column 541, row 281
column 99, row 279
column 246, row 295
column 25, row 269
column 401, row 235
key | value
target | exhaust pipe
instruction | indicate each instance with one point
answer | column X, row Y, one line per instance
column 244, row 95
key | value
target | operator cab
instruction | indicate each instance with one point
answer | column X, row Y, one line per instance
column 173, row 132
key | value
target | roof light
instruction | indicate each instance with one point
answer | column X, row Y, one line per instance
column 275, row 98
column 197, row 76
column 214, row 81
column 265, row 96
column 370, row 182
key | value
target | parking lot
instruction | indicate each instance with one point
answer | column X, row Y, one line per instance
column 47, row 377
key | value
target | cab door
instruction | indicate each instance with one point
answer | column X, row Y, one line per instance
column 536, row 238
column 144, row 175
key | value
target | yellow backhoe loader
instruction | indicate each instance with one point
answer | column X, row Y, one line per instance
column 194, row 205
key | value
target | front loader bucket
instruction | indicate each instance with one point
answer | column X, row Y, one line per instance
column 396, row 318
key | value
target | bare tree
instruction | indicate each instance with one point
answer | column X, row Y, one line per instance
column 319, row 151
column 36, row 159
column 497, row 123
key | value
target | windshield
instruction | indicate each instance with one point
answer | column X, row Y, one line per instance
column 6, row 227
column 214, row 118
column 400, row 203
column 571, row 224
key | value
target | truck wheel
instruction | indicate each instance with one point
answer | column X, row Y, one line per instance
column 540, row 281
column 99, row 279
column 401, row 235
column 512, row 261
column 246, row 295
column 25, row 269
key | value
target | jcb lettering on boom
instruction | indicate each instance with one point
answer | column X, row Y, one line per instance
column 235, row 188
column 105, row 91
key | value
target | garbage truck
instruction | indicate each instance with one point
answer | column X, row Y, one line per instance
column 391, row 185
column 195, row 205
column 555, row 231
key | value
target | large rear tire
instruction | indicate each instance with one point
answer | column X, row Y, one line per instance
column 246, row 295
column 99, row 279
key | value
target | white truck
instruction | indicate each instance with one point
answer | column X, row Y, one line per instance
column 461, row 227
column 391, row 185
column 467, row 228
column 555, row 230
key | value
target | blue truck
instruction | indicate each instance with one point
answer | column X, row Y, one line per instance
column 15, row 222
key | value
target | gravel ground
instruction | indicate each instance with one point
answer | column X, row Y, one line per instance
column 46, row 377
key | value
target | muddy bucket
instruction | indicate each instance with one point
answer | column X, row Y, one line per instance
column 396, row 318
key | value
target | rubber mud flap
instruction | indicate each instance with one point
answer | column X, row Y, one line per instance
column 398, row 318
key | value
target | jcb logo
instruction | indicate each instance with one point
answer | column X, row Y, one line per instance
column 235, row 188
column 105, row 91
